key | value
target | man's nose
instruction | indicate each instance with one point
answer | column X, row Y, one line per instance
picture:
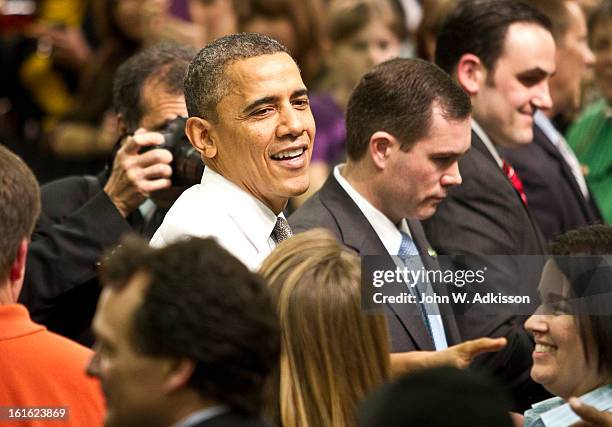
column 541, row 98
column 291, row 123
column 452, row 176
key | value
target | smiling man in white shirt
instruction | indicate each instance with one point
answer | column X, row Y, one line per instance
column 250, row 119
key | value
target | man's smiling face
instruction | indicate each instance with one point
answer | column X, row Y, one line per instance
column 265, row 129
column 517, row 85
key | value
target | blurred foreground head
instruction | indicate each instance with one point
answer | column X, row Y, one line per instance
column 180, row 329
column 332, row 352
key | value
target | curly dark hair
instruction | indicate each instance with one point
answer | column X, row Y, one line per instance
column 201, row 303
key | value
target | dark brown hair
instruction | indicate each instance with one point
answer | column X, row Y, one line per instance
column 201, row 303
column 583, row 256
column 398, row 97
column 19, row 206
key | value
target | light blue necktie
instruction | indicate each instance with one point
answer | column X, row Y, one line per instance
column 412, row 259
column 409, row 249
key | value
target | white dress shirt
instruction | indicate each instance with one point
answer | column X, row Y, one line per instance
column 218, row 208
column 202, row 415
column 390, row 236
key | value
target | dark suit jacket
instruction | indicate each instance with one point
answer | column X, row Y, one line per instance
column 332, row 208
column 553, row 195
column 485, row 216
column 77, row 224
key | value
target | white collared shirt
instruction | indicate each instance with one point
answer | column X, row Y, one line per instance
column 387, row 232
column 218, row 208
column 202, row 415
column 390, row 236
column 487, row 142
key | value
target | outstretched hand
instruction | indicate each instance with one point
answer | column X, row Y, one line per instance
column 462, row 355
column 459, row 356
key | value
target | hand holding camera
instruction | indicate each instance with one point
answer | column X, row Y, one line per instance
column 139, row 168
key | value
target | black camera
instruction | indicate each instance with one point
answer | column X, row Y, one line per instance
column 187, row 166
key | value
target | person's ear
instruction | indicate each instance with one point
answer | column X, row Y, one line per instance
column 179, row 374
column 17, row 271
column 380, row 147
column 471, row 73
column 198, row 130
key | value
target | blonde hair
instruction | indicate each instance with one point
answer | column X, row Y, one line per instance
column 332, row 353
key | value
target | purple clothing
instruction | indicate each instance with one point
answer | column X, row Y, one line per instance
column 330, row 138
column 180, row 9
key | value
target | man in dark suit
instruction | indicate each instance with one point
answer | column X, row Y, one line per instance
column 557, row 193
column 402, row 159
column 84, row 215
column 186, row 336
column 506, row 75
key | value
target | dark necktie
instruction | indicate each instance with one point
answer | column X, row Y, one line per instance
column 514, row 180
column 281, row 230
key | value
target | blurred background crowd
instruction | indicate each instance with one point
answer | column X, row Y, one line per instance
column 59, row 57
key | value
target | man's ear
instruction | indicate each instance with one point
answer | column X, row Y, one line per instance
column 179, row 374
column 18, row 268
column 471, row 73
column 198, row 130
column 380, row 148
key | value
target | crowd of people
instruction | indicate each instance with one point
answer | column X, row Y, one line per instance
column 198, row 201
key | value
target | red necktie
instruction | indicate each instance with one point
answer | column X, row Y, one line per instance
column 514, row 180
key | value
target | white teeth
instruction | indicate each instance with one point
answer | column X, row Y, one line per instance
column 543, row 348
column 286, row 154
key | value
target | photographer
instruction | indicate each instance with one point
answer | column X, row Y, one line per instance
column 84, row 215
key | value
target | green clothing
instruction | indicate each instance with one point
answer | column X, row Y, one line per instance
column 591, row 139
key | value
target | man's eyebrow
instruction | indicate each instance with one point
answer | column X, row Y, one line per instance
column 272, row 100
column 536, row 72
column 260, row 101
column 298, row 93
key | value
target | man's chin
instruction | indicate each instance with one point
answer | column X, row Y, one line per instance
column 427, row 212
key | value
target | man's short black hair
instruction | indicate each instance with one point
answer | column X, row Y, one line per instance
column 203, row 304
column 398, row 97
column 479, row 27
column 166, row 63
column 205, row 83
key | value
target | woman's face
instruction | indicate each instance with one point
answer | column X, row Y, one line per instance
column 559, row 361
column 373, row 44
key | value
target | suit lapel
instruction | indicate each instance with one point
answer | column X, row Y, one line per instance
column 480, row 146
column 546, row 144
column 357, row 233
